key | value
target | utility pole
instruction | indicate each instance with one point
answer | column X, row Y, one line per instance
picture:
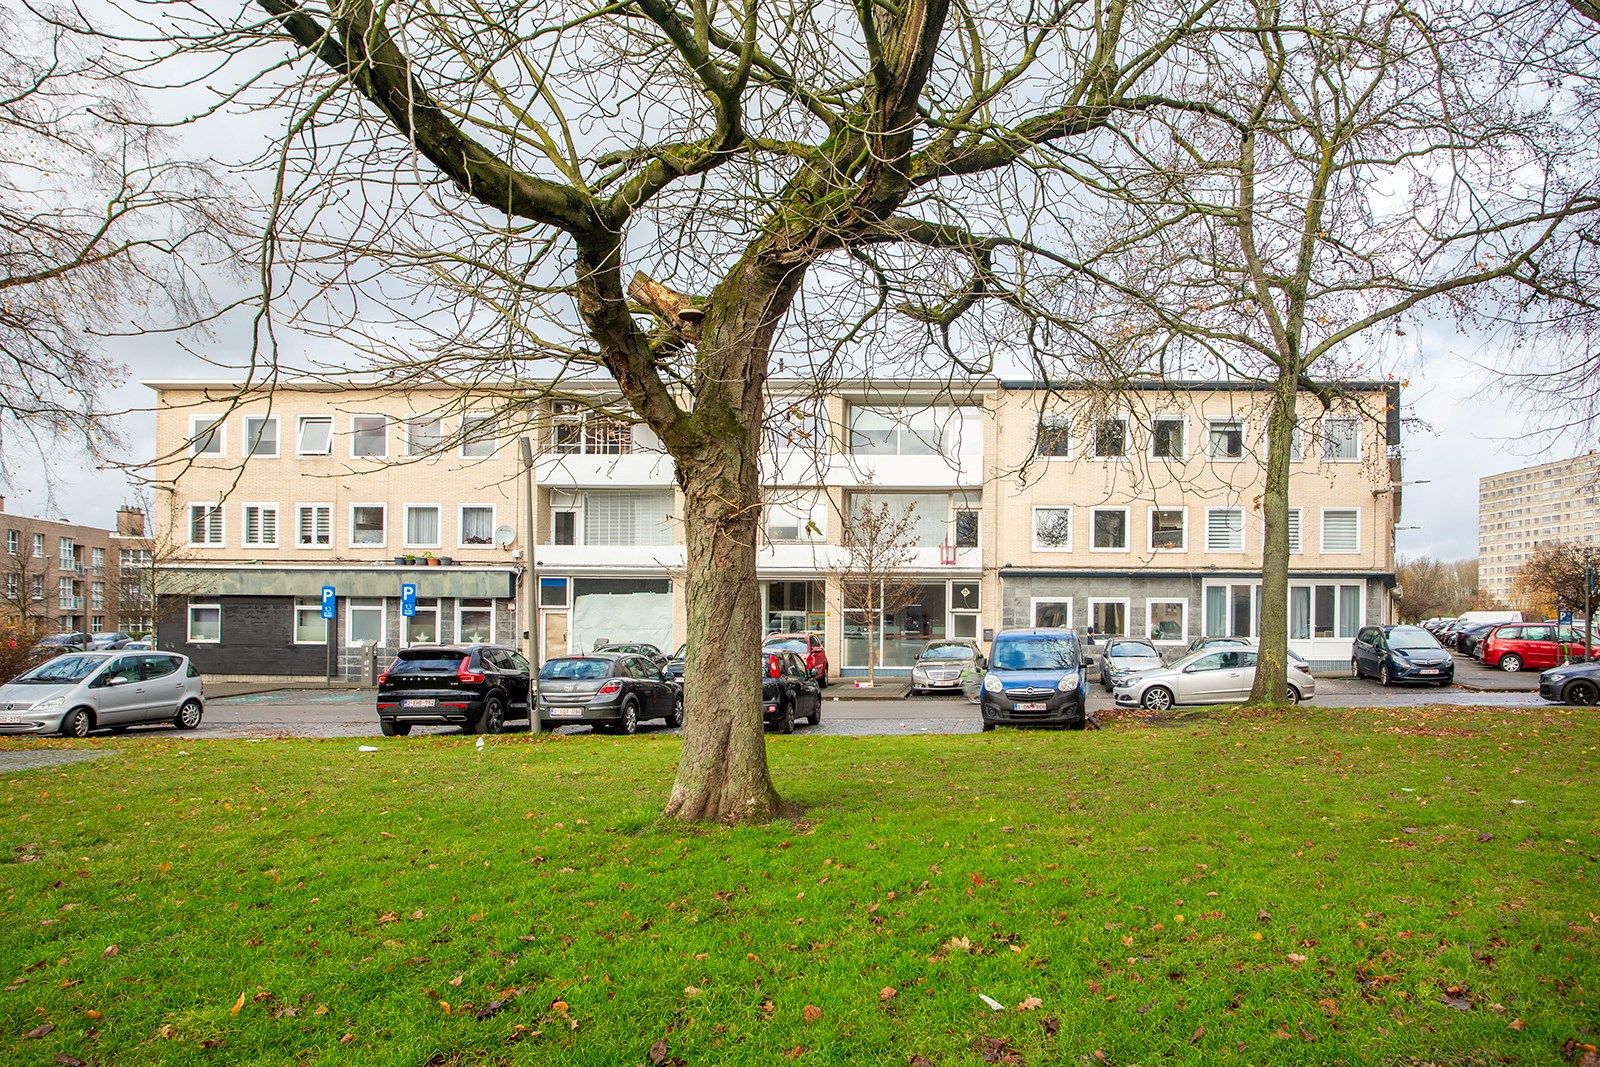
column 1588, row 612
column 529, row 540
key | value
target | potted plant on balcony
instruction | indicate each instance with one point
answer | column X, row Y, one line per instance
column 408, row 559
column 430, row 559
column 447, row 561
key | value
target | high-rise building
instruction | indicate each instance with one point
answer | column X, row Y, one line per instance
column 1521, row 509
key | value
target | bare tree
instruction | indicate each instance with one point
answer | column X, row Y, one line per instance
column 22, row 586
column 874, row 578
column 1553, row 577
column 1432, row 588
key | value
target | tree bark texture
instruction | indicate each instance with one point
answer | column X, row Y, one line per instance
column 1272, row 672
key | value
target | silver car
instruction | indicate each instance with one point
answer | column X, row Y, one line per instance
column 83, row 691
column 1213, row 676
column 1124, row 656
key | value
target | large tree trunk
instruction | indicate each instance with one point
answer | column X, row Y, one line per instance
column 1272, row 678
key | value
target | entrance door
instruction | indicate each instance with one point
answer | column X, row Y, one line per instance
column 555, row 635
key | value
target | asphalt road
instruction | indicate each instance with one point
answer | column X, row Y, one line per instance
column 349, row 713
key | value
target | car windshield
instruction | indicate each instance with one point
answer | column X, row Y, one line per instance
column 786, row 644
column 1133, row 650
column 950, row 651
column 106, row 637
column 683, row 650
column 574, row 669
column 1411, row 638
column 58, row 639
column 1036, row 654
column 427, row 661
column 63, row 669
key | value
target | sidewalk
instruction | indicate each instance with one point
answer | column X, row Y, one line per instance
column 244, row 689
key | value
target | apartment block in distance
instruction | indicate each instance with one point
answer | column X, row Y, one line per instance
column 1521, row 509
column 70, row 577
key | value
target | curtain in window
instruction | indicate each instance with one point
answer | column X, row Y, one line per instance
column 477, row 526
column 1300, row 614
column 1349, row 610
column 422, row 526
column 1216, row 611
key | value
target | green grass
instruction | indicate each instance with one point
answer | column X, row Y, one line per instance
column 1152, row 887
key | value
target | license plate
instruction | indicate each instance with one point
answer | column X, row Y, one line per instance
column 9, row 719
column 1037, row 705
column 557, row 713
column 1429, row 670
column 419, row 702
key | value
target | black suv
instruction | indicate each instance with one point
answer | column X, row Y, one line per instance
column 476, row 687
column 789, row 691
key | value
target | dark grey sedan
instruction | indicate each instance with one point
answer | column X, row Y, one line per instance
column 607, row 690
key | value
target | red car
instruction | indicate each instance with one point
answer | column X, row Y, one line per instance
column 807, row 646
column 1540, row 645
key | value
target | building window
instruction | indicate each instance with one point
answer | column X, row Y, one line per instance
column 97, row 623
column 369, row 525
column 36, row 587
column 261, row 525
column 66, row 593
column 14, row 542
column 1341, row 530
column 1225, row 439
column 578, row 431
column 261, row 436
column 1052, row 529
column 477, row 525
column 423, row 627
column 314, row 525
column 628, row 517
column 205, row 525
column 310, row 628
column 38, row 546
column 365, row 622
column 13, row 586
column 205, row 624
column 1168, row 529
column 1167, row 437
column 1052, row 612
column 205, row 435
column 1053, row 437
column 789, row 521
column 424, row 435
column 97, row 560
column 1168, row 621
column 474, row 620
column 316, row 436
column 67, row 552
column 422, row 526
column 1294, row 530
column 1324, row 611
column 369, row 436
column 97, row 596
column 902, row 431
column 1108, row 529
column 1231, row 610
column 1224, row 530
column 1341, row 438
column 966, row 523
column 554, row 592
column 1297, row 442
column 477, row 435
column 564, row 527
column 1111, row 438
column 1108, row 618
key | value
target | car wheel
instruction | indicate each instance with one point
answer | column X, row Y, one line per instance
column 1383, row 674
column 1355, row 669
column 629, row 723
column 1157, row 698
column 786, row 717
column 493, row 719
column 988, row 726
column 913, row 691
column 395, row 729
column 78, row 723
column 816, row 712
column 1292, row 696
column 1511, row 663
column 675, row 718
column 1581, row 692
column 823, row 681
column 188, row 717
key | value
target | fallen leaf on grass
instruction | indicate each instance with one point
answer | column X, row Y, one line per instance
column 1296, row 959
column 68, row 1061
column 1052, row 1025
column 812, row 1013
column 995, row 1050
column 111, row 950
column 1029, row 1003
column 38, row 1032
column 795, row 1053
column 1456, row 997
column 456, row 980
column 1517, row 1024
column 237, row 1005
column 490, row 1010
column 1199, row 1032
column 888, row 992
column 919, row 1060
column 347, row 1038
column 211, row 1043
column 658, row 1052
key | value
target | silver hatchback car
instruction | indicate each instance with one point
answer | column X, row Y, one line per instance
column 1210, row 676
column 83, row 691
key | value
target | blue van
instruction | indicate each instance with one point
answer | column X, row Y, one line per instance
column 1036, row 677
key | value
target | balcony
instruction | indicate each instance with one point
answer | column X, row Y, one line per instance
column 575, row 470
column 71, row 603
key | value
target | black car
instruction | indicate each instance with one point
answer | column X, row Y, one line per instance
column 477, row 687
column 1573, row 683
column 1469, row 641
column 674, row 667
column 789, row 691
column 1400, row 654
column 636, row 648
column 609, row 691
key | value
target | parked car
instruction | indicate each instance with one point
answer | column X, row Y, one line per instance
column 1123, row 656
column 940, row 666
column 103, row 641
column 636, row 648
column 1200, row 644
column 674, row 667
column 609, row 691
column 1400, row 654
column 1572, row 683
column 139, row 646
column 1035, row 677
column 478, row 687
column 1446, row 633
column 1468, row 638
column 808, row 647
column 789, row 691
column 1210, row 676
column 1531, row 644
column 77, row 692
column 57, row 644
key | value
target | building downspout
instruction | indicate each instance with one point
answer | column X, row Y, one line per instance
column 525, row 447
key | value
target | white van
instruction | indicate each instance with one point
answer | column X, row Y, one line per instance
column 1478, row 618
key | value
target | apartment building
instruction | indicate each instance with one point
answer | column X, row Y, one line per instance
column 1519, row 510
column 71, row 577
column 1025, row 508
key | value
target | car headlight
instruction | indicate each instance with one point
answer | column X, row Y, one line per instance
column 991, row 684
column 918, row 672
column 53, row 704
column 1068, row 683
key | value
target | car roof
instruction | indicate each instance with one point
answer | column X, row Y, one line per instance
column 796, row 635
column 591, row 655
column 1036, row 631
column 459, row 649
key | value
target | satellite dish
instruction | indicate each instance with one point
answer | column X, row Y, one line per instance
column 504, row 535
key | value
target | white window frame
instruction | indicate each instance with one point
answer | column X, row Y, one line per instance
column 415, row 420
column 1243, row 540
column 460, row 607
column 189, row 636
column 219, row 430
column 1127, row 528
column 1034, row 602
column 222, row 523
column 1322, row 533
column 1062, row 423
column 300, row 431
column 294, row 623
column 479, row 418
column 381, row 506
column 461, row 522
column 312, row 545
column 423, row 604
column 405, row 531
column 1150, row 528
column 1297, row 537
column 38, row 545
column 1322, row 439
column 1033, row 529
column 1297, row 441
column 14, row 542
column 1182, row 420
column 1127, row 614
column 1094, row 439
column 277, row 438
column 1149, row 620
column 1244, row 438
column 387, row 424
column 576, row 511
column 365, row 604
column 244, row 524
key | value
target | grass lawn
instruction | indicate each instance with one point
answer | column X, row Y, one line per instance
column 1356, row 886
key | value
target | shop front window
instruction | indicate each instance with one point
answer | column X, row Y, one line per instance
column 900, row 628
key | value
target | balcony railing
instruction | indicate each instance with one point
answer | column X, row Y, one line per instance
column 71, row 603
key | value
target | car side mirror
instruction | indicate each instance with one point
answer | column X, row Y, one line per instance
column 116, row 679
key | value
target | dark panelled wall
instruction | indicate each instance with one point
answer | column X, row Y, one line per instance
column 257, row 637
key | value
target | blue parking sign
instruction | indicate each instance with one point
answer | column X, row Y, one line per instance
column 327, row 602
column 408, row 599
